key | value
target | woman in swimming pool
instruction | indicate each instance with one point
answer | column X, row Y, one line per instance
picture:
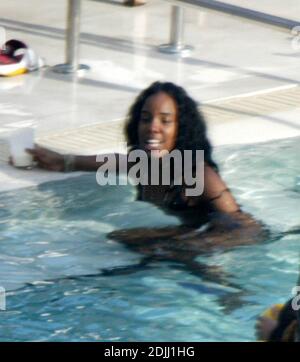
column 164, row 118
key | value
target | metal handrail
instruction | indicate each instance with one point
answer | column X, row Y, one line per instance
column 176, row 45
column 241, row 12
column 278, row 22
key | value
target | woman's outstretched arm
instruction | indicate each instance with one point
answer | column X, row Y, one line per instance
column 54, row 161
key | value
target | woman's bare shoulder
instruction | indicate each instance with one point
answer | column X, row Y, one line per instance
column 217, row 193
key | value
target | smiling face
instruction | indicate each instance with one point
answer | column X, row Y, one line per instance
column 158, row 125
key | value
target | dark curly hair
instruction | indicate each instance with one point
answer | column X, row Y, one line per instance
column 192, row 128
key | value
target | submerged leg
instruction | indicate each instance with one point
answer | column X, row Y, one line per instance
column 181, row 245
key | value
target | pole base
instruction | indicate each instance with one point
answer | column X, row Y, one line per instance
column 69, row 69
column 183, row 50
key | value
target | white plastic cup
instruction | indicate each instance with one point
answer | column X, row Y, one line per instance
column 19, row 141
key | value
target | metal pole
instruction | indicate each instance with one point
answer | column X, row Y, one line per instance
column 73, row 34
column 176, row 35
column 176, row 45
column 72, row 40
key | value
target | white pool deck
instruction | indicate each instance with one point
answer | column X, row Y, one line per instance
column 246, row 76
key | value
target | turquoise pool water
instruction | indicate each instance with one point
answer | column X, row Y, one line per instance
column 64, row 278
